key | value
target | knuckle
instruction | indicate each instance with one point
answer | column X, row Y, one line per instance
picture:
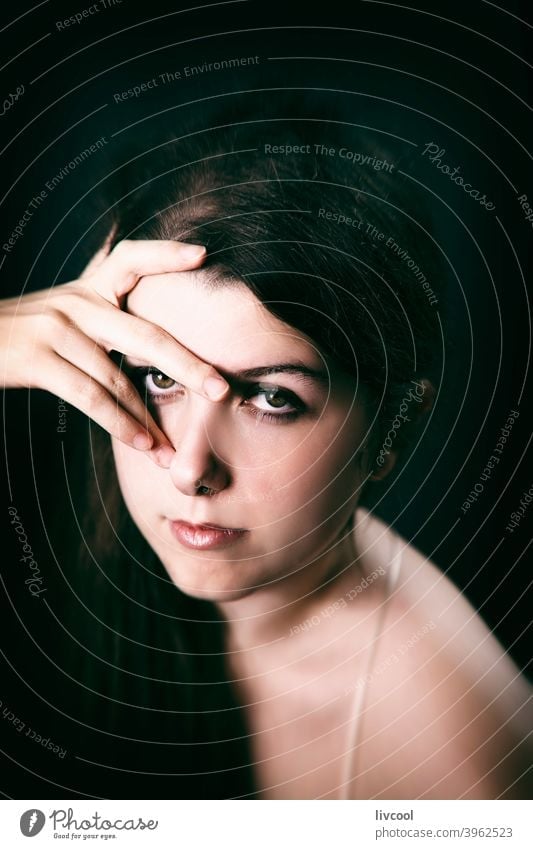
column 55, row 321
column 153, row 336
column 196, row 373
column 78, row 297
column 123, row 388
column 122, row 428
column 90, row 392
column 122, row 248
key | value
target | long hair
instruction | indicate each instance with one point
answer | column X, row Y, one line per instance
column 331, row 243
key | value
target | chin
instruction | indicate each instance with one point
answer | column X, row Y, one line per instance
column 217, row 596
column 218, row 583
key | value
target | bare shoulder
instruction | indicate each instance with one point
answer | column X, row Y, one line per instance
column 448, row 712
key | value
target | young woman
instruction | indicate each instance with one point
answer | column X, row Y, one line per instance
column 249, row 629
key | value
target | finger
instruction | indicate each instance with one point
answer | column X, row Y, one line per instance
column 132, row 259
column 80, row 390
column 84, row 353
column 150, row 344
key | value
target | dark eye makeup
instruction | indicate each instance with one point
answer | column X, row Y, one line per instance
column 279, row 405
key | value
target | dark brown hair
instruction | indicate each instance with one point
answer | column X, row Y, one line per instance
column 276, row 213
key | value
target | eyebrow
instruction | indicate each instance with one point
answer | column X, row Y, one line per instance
column 297, row 369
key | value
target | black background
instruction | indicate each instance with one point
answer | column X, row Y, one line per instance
column 453, row 73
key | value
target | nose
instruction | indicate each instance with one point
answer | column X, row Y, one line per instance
column 197, row 468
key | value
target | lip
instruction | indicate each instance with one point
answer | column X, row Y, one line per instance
column 206, row 536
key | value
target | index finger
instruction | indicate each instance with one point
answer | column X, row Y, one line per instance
column 147, row 343
column 132, row 259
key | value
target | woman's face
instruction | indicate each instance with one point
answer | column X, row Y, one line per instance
column 280, row 455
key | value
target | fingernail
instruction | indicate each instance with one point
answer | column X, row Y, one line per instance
column 215, row 387
column 165, row 455
column 142, row 441
column 193, row 251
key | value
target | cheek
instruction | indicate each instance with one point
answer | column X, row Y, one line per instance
column 285, row 467
column 320, row 473
column 134, row 477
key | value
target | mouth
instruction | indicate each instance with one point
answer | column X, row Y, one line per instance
column 205, row 536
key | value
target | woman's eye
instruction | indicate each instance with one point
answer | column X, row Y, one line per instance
column 156, row 383
column 273, row 402
column 265, row 401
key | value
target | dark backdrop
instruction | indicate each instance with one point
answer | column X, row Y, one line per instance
column 451, row 73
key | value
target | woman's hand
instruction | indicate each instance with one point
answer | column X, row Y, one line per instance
column 59, row 340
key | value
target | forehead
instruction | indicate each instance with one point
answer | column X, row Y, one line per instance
column 224, row 325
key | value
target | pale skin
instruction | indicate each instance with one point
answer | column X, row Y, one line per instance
column 446, row 712
column 59, row 339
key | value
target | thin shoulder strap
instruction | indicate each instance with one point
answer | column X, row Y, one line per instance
column 347, row 785
column 395, row 562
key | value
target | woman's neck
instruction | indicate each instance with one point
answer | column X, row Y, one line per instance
column 283, row 608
